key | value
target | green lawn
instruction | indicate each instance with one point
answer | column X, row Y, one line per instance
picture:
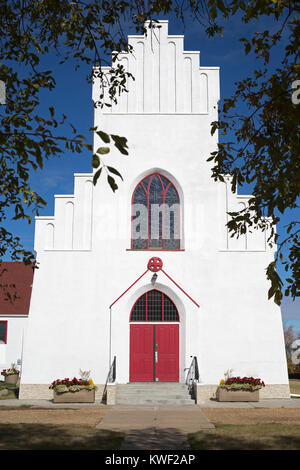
column 247, row 437
column 57, row 437
column 9, row 396
column 295, row 386
column 12, row 391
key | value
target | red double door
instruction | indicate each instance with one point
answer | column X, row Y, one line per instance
column 154, row 353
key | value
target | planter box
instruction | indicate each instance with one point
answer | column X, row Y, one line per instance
column 11, row 379
column 236, row 395
column 82, row 396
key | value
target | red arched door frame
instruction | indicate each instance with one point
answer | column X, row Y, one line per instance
column 154, row 339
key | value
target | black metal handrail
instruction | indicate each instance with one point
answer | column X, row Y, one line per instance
column 111, row 377
column 192, row 375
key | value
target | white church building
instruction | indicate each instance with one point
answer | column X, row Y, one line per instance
column 149, row 274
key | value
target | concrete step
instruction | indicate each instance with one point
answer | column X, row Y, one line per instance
column 155, row 402
column 156, row 392
column 163, row 393
column 152, row 387
column 142, row 396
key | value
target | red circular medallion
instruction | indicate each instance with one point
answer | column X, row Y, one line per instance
column 155, row 264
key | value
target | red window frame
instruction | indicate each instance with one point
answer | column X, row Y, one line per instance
column 146, row 307
column 5, row 321
column 164, row 191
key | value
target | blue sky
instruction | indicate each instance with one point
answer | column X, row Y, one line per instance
column 72, row 96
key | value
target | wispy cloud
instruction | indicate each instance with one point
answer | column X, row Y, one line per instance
column 290, row 310
column 53, row 180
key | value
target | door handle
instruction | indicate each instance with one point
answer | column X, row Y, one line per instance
column 156, row 357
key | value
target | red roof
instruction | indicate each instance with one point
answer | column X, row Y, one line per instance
column 21, row 276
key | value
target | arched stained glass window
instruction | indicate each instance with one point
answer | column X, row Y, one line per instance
column 154, row 306
column 155, row 214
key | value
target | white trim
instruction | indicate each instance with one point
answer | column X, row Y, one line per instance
column 209, row 68
column 242, row 251
column 153, row 114
column 14, row 315
column 66, row 249
column 154, row 322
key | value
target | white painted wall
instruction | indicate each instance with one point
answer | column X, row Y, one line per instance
column 84, row 256
column 12, row 350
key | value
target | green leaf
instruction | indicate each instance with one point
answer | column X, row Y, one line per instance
column 121, row 141
column 95, row 161
column 222, row 7
column 271, row 292
column 121, row 149
column 278, row 297
column 214, row 127
column 213, row 12
column 247, row 48
column 103, row 150
column 96, row 176
column 105, row 137
column 113, row 170
column 112, row 183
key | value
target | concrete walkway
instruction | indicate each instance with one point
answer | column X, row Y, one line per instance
column 166, row 427
column 48, row 404
column 155, row 427
column 267, row 403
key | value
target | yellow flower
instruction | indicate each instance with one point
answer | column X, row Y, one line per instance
column 91, row 382
column 222, row 382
